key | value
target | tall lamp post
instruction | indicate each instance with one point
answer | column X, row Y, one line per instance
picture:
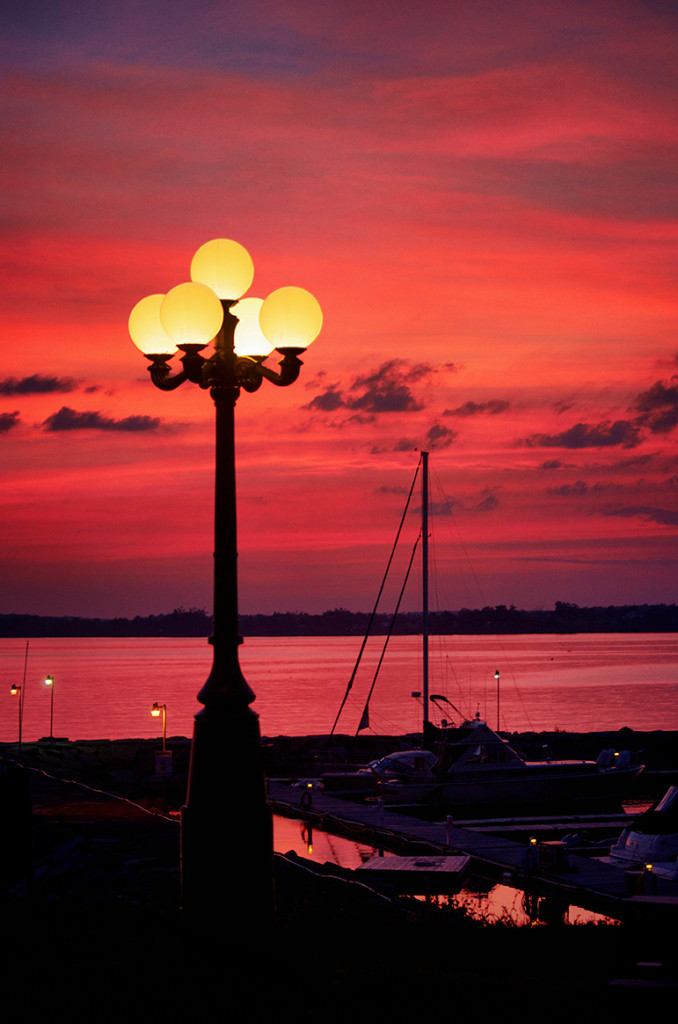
column 226, row 829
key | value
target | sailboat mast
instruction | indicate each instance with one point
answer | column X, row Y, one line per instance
column 424, row 577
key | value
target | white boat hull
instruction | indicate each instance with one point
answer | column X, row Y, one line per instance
column 551, row 785
column 652, row 839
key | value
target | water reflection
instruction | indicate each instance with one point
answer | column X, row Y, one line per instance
column 580, row 683
column 493, row 903
column 479, row 897
column 289, row 834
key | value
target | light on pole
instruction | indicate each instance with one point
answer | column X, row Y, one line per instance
column 19, row 690
column 156, row 711
column 226, row 829
column 49, row 681
column 496, row 676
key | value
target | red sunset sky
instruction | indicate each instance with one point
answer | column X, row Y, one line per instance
column 481, row 195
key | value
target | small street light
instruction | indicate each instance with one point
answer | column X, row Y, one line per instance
column 49, row 681
column 226, row 781
column 21, row 692
column 16, row 689
column 156, row 711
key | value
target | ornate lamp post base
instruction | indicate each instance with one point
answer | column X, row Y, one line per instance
column 226, row 825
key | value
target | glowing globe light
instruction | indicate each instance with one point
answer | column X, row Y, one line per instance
column 224, row 266
column 248, row 338
column 191, row 314
column 291, row 318
column 146, row 330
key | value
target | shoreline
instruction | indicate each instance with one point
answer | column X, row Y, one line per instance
column 564, row 618
column 130, row 762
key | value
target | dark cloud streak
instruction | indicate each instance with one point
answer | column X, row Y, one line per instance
column 439, row 436
column 70, row 419
column 658, row 413
column 36, row 384
column 622, row 433
column 661, row 516
column 491, row 408
column 327, row 401
column 658, row 407
column 8, row 420
column 577, row 489
column 386, row 390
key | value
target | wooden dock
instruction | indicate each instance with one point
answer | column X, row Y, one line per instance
column 420, row 875
column 546, row 870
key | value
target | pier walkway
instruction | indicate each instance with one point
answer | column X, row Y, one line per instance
column 580, row 881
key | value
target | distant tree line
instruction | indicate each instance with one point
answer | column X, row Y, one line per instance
column 497, row 619
column 180, row 622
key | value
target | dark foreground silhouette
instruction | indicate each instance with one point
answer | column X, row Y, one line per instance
column 99, row 935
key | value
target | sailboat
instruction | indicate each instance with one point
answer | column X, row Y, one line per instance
column 471, row 764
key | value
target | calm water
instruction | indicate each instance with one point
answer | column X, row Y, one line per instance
column 481, row 899
column 105, row 688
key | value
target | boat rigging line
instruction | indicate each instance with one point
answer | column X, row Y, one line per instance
column 365, row 717
column 376, row 603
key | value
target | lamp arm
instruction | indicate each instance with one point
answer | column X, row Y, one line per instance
column 160, row 374
column 290, row 365
column 193, row 365
column 249, row 371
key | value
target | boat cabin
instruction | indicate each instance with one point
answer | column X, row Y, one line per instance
column 474, row 744
column 405, row 766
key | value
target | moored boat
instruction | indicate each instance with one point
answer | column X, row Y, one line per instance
column 476, row 767
column 651, row 841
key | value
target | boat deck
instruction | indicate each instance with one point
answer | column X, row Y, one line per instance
column 580, row 881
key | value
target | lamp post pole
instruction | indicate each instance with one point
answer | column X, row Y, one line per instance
column 161, row 709
column 226, row 827
column 49, row 681
column 17, row 690
column 21, row 691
